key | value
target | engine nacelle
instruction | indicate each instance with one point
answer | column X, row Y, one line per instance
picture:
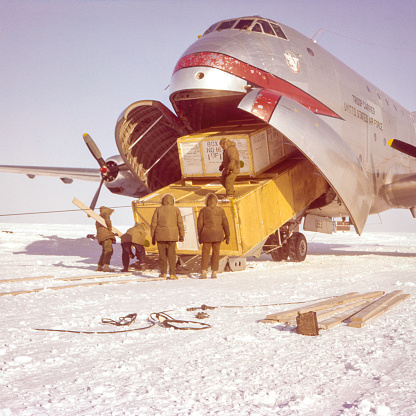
column 120, row 180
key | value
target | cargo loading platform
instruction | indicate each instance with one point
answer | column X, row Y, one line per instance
column 261, row 205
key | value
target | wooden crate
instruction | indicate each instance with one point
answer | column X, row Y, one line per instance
column 260, row 147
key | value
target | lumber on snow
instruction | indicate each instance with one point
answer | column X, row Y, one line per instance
column 327, row 304
column 22, row 292
column 342, row 316
column 375, row 306
column 389, row 305
column 323, row 314
column 94, row 215
column 98, row 276
column 24, row 279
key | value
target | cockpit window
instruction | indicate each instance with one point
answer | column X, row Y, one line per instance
column 278, row 30
column 253, row 24
column 210, row 29
column 256, row 28
column 243, row 24
column 266, row 27
column 226, row 25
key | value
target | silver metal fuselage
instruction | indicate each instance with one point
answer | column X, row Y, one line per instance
column 235, row 61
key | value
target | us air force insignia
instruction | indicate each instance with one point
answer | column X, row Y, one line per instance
column 292, row 62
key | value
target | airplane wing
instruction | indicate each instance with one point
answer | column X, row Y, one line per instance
column 322, row 145
column 66, row 175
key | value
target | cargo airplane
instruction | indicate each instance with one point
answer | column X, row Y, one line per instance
column 360, row 140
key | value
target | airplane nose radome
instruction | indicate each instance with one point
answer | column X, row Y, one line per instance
column 199, row 78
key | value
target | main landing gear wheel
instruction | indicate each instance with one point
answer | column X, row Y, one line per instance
column 298, row 247
column 278, row 254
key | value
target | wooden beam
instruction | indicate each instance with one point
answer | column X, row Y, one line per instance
column 98, row 276
column 375, row 306
column 321, row 315
column 24, row 279
column 94, row 215
column 338, row 300
column 390, row 305
column 340, row 317
column 21, row 292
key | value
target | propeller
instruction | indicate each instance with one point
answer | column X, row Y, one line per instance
column 108, row 171
column 403, row 147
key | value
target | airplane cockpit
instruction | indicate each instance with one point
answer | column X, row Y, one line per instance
column 251, row 24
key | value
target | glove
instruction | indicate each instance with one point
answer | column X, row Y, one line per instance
column 227, row 240
column 181, row 239
column 153, row 241
column 221, row 167
column 131, row 255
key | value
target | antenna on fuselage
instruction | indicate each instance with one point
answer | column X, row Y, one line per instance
column 319, row 32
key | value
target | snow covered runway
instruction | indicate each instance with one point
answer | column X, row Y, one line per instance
column 237, row 367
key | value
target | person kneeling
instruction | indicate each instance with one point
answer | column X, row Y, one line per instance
column 134, row 237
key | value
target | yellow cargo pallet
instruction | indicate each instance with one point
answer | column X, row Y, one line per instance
column 261, row 205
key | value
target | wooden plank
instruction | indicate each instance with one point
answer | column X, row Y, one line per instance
column 394, row 302
column 94, row 215
column 375, row 306
column 21, row 292
column 338, row 318
column 24, row 279
column 339, row 300
column 98, row 276
column 321, row 315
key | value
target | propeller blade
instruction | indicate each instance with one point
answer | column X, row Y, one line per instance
column 403, row 147
column 94, row 149
column 97, row 194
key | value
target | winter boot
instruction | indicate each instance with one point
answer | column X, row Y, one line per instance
column 203, row 274
column 162, row 276
column 99, row 268
column 107, row 269
column 173, row 277
column 214, row 275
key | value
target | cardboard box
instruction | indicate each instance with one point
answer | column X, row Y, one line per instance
column 260, row 147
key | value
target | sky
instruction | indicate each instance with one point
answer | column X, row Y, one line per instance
column 71, row 67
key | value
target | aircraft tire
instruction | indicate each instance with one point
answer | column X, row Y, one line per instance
column 281, row 253
column 298, row 247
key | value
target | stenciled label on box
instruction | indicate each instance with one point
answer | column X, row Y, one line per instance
column 191, row 158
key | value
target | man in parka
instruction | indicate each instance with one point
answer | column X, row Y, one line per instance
column 166, row 229
column 213, row 228
column 106, row 238
column 229, row 167
column 134, row 237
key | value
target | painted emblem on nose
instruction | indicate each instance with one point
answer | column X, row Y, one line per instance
column 292, row 62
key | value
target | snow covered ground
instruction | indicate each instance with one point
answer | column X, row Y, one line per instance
column 239, row 366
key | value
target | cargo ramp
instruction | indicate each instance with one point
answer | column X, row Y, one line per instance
column 261, row 207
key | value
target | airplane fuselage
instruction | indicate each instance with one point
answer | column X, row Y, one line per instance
column 230, row 62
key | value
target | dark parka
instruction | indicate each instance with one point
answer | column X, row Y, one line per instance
column 212, row 222
column 135, row 235
column 230, row 158
column 167, row 223
column 105, row 233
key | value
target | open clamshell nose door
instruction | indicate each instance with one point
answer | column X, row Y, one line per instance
column 322, row 145
column 146, row 134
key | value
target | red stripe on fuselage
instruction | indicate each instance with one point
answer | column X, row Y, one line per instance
column 265, row 104
column 256, row 76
